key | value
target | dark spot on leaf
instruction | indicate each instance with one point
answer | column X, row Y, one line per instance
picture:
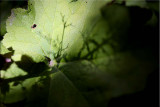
column 73, row 1
column 34, row 26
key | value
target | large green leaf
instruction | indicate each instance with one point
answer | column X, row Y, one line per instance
column 107, row 65
column 53, row 20
column 97, row 84
column 89, row 48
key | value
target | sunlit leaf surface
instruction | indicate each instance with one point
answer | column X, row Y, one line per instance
column 77, row 53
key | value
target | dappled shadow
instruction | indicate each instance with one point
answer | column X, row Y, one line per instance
column 33, row 70
column 95, row 86
column 5, row 59
column 133, row 33
column 130, row 29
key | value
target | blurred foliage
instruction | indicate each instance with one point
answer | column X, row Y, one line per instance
column 5, row 11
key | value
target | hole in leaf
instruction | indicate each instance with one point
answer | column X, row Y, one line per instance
column 34, row 26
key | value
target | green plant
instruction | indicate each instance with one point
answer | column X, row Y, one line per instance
column 76, row 53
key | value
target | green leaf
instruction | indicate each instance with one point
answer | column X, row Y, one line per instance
column 4, row 14
column 20, row 82
column 15, row 93
column 3, row 49
column 64, row 93
column 54, row 21
column 20, row 77
column 107, row 65
column 94, row 49
column 141, row 3
column 100, row 80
